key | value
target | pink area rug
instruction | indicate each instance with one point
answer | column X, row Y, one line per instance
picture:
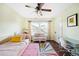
column 31, row 50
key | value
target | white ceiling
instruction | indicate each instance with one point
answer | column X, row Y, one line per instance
column 57, row 8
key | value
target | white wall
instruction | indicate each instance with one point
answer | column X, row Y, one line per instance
column 10, row 22
column 67, row 32
column 71, row 32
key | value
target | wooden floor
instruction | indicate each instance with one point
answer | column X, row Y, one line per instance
column 59, row 49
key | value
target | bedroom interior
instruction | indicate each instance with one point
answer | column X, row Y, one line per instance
column 39, row 29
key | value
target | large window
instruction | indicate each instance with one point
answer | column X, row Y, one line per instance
column 39, row 27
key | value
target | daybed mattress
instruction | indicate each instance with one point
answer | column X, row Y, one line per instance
column 13, row 49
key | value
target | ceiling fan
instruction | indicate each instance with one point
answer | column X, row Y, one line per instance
column 39, row 8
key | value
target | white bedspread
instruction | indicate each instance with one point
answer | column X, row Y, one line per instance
column 13, row 49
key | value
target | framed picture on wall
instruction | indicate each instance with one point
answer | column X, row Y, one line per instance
column 72, row 20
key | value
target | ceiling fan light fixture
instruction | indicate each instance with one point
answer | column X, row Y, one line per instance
column 39, row 8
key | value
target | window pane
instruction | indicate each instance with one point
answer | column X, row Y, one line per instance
column 39, row 27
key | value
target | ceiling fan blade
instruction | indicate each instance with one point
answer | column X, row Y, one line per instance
column 49, row 10
column 40, row 4
column 29, row 6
